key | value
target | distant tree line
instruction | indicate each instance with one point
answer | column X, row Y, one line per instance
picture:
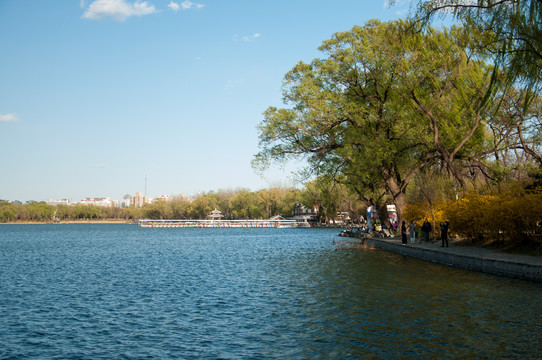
column 42, row 212
column 331, row 199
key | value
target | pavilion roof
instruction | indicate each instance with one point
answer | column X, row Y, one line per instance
column 216, row 214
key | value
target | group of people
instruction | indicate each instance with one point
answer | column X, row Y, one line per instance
column 426, row 229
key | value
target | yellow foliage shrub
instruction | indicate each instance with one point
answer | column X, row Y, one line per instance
column 514, row 216
column 421, row 211
column 414, row 212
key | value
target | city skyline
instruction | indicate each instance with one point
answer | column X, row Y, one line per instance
column 126, row 199
column 97, row 95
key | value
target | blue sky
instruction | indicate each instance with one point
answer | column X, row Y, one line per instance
column 97, row 95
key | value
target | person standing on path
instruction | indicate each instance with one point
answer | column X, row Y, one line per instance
column 403, row 233
column 444, row 233
column 412, row 230
column 426, row 228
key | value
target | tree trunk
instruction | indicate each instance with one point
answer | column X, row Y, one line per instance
column 400, row 204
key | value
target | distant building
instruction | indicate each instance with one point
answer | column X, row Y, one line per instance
column 165, row 198
column 300, row 209
column 342, row 218
column 103, row 202
column 302, row 213
column 139, row 200
column 126, row 200
column 182, row 197
column 59, row 202
column 170, row 198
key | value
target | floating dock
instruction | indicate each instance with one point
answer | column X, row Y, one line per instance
column 280, row 224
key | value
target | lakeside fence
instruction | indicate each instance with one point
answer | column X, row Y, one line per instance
column 281, row 224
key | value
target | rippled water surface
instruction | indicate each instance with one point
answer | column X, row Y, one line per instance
column 119, row 291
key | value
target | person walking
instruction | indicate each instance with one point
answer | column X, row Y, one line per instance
column 426, row 228
column 444, row 233
column 412, row 231
column 403, row 233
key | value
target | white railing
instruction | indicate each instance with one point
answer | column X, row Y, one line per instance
column 224, row 223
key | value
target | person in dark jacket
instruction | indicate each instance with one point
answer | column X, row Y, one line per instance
column 412, row 232
column 444, row 233
column 426, row 228
column 403, row 233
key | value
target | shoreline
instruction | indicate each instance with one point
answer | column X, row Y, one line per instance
column 70, row 222
column 494, row 262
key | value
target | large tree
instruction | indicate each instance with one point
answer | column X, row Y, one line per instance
column 345, row 116
column 365, row 112
column 448, row 86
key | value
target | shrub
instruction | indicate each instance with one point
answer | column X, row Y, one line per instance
column 513, row 217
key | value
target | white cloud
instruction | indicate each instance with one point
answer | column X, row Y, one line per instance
column 246, row 38
column 8, row 118
column 187, row 4
column 117, row 9
column 174, row 6
column 233, row 83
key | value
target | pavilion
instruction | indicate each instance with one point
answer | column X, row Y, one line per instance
column 215, row 215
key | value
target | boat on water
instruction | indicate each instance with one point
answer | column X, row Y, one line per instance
column 280, row 224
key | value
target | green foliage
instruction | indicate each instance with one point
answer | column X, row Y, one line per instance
column 245, row 205
column 332, row 197
column 8, row 212
column 158, row 210
column 202, row 206
column 383, row 104
column 41, row 212
column 180, row 209
column 511, row 31
column 239, row 204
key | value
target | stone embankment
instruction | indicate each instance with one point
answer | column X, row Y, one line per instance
column 470, row 258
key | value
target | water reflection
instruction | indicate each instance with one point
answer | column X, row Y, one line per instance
column 374, row 304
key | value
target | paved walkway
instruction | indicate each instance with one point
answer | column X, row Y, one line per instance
column 471, row 258
column 473, row 251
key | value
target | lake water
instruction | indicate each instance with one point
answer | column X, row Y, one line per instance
column 120, row 291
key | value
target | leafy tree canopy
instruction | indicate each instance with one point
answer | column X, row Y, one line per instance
column 515, row 27
column 383, row 104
